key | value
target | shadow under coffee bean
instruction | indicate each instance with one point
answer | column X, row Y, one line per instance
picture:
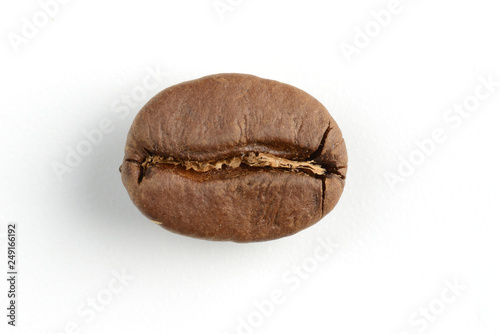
column 234, row 157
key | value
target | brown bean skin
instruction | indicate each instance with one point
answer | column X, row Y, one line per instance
column 229, row 156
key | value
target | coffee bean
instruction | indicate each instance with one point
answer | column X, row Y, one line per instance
column 234, row 157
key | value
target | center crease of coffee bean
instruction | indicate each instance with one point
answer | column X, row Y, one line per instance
column 252, row 159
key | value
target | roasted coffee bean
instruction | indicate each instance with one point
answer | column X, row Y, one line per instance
column 234, row 157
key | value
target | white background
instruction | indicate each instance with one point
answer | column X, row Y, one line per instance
column 398, row 245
